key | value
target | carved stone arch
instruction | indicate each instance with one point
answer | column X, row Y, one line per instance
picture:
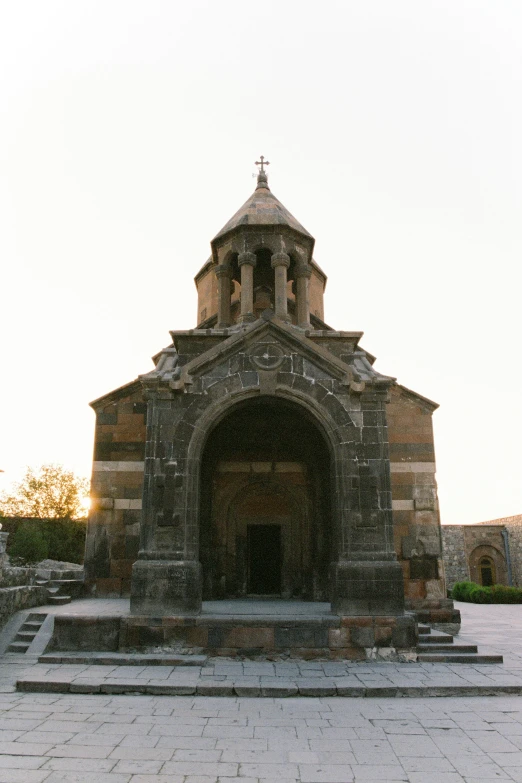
column 259, row 242
column 229, row 256
column 204, row 419
column 333, row 420
column 487, row 550
column 308, row 571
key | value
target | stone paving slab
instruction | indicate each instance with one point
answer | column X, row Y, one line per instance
column 245, row 678
column 123, row 659
column 55, row 738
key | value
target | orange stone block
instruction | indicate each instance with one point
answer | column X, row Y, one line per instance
column 244, row 637
column 414, row 588
column 388, row 621
column 121, row 569
column 383, row 635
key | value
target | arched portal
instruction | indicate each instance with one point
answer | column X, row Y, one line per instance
column 487, row 565
column 265, row 519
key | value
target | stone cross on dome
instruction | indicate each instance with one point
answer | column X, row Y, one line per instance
column 262, row 162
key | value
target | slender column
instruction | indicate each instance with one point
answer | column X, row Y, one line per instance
column 280, row 263
column 247, row 262
column 223, row 278
column 303, row 274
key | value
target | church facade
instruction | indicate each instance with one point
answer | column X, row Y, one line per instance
column 264, row 455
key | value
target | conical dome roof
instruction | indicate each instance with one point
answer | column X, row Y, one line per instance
column 262, row 209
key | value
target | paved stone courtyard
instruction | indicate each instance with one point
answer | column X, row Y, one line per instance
column 106, row 738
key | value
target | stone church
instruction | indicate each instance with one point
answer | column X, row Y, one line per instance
column 264, row 455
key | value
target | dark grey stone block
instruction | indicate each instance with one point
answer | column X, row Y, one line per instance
column 367, row 588
column 163, row 587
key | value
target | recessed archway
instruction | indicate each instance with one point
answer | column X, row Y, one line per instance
column 265, row 517
column 487, row 565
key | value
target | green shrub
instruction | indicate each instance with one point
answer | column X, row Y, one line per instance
column 481, row 595
column 64, row 539
column 506, row 595
column 461, row 590
column 29, row 544
column 497, row 594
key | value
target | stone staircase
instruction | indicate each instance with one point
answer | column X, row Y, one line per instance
column 26, row 633
column 62, row 586
column 438, row 647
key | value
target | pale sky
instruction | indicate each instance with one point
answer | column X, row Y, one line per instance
column 128, row 135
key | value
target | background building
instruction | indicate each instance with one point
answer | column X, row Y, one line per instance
column 486, row 553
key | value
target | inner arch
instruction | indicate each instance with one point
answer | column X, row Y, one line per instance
column 265, row 518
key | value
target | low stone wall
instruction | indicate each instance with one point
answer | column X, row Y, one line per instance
column 11, row 576
column 73, row 632
column 337, row 638
column 13, row 599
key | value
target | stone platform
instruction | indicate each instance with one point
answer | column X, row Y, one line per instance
column 495, row 627
column 296, row 629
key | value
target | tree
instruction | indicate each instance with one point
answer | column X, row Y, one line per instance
column 49, row 492
column 29, row 544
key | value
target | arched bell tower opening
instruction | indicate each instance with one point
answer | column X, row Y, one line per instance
column 265, row 517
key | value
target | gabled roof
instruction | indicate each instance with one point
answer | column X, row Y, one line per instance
column 355, row 371
column 262, row 209
column 116, row 394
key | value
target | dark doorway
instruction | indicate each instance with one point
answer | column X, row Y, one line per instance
column 264, row 559
column 486, row 572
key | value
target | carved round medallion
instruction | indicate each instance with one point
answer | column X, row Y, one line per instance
column 266, row 356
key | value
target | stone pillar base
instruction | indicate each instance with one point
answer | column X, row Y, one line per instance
column 366, row 588
column 166, row 587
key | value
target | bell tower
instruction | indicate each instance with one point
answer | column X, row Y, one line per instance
column 261, row 260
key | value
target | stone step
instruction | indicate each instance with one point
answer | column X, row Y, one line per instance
column 25, row 636
column 47, row 574
column 20, row 647
column 27, row 632
column 67, row 585
column 456, row 657
column 72, row 587
column 124, row 659
column 440, row 638
column 60, row 599
column 460, row 648
column 52, row 683
column 424, row 628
